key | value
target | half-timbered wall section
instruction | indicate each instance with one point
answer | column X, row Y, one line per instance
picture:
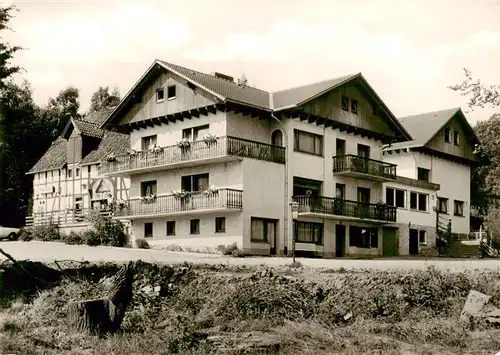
column 67, row 180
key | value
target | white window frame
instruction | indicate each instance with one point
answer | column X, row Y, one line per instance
column 157, row 92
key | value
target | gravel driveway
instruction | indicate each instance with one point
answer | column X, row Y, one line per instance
column 49, row 251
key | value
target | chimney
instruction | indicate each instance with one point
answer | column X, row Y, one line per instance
column 223, row 76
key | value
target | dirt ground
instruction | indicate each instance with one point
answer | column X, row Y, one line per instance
column 48, row 251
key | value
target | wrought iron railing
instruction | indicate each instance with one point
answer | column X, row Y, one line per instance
column 222, row 146
column 354, row 163
column 63, row 218
column 191, row 201
column 339, row 207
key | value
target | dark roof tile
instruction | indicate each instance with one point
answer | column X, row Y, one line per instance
column 54, row 158
column 112, row 142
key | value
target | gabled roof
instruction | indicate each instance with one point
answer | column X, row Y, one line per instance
column 228, row 91
column 83, row 127
column 423, row 127
column 54, row 158
column 98, row 117
column 295, row 96
column 112, row 142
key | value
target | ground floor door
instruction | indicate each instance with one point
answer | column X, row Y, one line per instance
column 389, row 241
column 340, row 240
column 413, row 242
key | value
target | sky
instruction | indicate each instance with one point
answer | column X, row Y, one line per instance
column 409, row 51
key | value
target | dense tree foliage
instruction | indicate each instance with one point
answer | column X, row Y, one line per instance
column 102, row 98
column 7, row 51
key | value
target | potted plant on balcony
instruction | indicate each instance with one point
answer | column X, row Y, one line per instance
column 337, row 206
column 111, row 157
column 210, row 139
column 211, row 191
column 156, row 149
column 149, row 198
column 132, row 152
column 184, row 143
column 380, row 209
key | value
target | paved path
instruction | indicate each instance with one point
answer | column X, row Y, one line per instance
column 48, row 251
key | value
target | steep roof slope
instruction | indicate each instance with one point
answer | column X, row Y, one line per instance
column 111, row 143
column 54, row 158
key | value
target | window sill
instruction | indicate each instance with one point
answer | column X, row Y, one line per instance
column 160, row 101
column 459, row 215
column 171, row 98
column 194, row 233
column 423, row 244
column 412, row 210
column 170, row 235
column 441, row 212
column 220, row 232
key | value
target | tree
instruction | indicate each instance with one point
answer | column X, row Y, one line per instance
column 480, row 95
column 60, row 109
column 103, row 99
column 6, row 50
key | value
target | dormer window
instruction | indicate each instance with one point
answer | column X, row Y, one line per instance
column 160, row 95
column 349, row 105
column 171, row 92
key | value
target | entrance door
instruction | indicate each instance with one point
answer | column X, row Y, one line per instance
column 340, row 240
column 389, row 245
column 413, row 242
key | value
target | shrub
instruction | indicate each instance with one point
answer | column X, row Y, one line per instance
column 74, row 238
column 237, row 253
column 25, row 234
column 142, row 243
column 110, row 231
column 91, row 237
column 429, row 252
column 46, row 233
column 227, row 249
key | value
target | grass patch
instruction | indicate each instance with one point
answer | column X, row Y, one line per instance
column 209, row 309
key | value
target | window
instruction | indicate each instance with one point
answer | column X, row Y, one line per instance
column 170, row 228
column 194, row 226
column 418, row 201
column 340, row 191
column 309, row 232
column 447, row 135
column 194, row 183
column 456, row 137
column 459, row 208
column 195, row 133
column 395, row 197
column 340, row 147
column 422, row 237
column 160, row 95
column 363, row 195
column 354, row 106
column 363, row 151
column 345, row 103
column 77, row 172
column 363, row 237
column 171, row 92
column 148, row 142
column 99, row 170
column 262, row 230
column 70, row 173
column 89, row 169
column 423, row 174
column 46, row 175
column 308, row 142
column 220, row 224
column 148, row 188
column 148, row 230
column 442, row 205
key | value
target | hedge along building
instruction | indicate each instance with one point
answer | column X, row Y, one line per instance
column 67, row 179
column 214, row 162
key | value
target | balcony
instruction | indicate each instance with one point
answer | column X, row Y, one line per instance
column 191, row 203
column 334, row 208
column 197, row 153
column 363, row 168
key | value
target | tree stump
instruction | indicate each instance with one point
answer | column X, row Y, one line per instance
column 104, row 315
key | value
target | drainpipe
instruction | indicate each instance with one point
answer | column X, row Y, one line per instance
column 286, row 207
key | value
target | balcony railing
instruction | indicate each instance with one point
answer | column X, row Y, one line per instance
column 361, row 165
column 191, row 201
column 223, row 146
column 346, row 208
column 63, row 217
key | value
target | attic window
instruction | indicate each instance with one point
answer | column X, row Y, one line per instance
column 345, row 103
column 447, row 135
column 171, row 92
column 456, row 137
column 354, row 106
column 160, row 95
